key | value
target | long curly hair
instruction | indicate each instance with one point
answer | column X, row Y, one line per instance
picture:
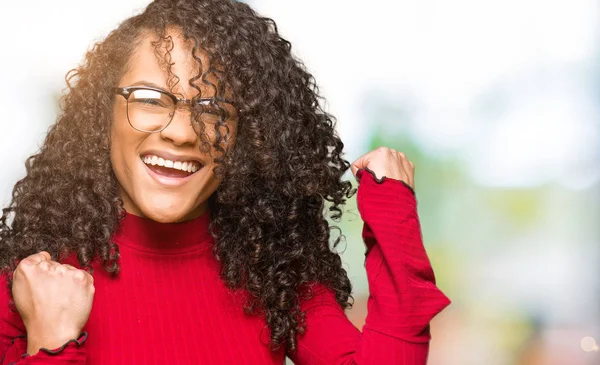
column 268, row 215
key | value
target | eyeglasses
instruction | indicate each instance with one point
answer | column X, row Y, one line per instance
column 151, row 109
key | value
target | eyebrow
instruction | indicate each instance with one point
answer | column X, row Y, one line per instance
column 148, row 83
column 156, row 86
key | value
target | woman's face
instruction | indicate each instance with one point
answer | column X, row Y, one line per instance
column 163, row 193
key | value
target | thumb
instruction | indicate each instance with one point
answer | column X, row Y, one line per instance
column 39, row 257
column 359, row 163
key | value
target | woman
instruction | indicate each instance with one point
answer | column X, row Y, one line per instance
column 174, row 213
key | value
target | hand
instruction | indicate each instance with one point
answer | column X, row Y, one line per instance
column 53, row 299
column 387, row 162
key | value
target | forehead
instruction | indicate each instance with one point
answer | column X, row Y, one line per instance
column 148, row 63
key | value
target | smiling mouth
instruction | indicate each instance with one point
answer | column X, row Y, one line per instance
column 169, row 168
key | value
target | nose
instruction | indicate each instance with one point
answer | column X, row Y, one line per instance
column 180, row 131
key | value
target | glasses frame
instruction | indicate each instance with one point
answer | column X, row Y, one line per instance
column 126, row 92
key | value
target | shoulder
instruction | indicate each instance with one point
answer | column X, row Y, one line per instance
column 316, row 294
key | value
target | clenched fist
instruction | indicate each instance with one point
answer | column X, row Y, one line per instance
column 384, row 161
column 53, row 299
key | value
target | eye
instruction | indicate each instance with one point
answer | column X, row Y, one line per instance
column 150, row 99
column 209, row 111
column 153, row 102
column 202, row 103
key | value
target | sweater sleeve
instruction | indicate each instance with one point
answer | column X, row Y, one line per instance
column 13, row 339
column 403, row 296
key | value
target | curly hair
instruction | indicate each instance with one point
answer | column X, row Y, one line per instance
column 272, row 237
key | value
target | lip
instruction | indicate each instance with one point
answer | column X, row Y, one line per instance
column 169, row 181
column 171, row 156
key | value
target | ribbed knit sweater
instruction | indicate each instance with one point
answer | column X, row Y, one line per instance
column 168, row 306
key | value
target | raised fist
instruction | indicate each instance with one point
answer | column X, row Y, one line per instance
column 53, row 299
column 388, row 162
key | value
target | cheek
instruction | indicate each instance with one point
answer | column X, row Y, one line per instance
column 124, row 140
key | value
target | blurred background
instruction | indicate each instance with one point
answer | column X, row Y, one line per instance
column 496, row 102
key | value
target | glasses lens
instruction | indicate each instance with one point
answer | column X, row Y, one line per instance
column 149, row 110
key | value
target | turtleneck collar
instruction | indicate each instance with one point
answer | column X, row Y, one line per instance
column 147, row 235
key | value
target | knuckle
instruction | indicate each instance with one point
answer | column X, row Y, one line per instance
column 22, row 266
column 79, row 275
column 44, row 265
column 28, row 261
column 19, row 271
column 23, row 269
column 38, row 256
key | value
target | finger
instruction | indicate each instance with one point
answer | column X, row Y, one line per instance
column 44, row 265
column 402, row 157
column 411, row 173
column 79, row 275
column 408, row 168
column 48, row 265
column 83, row 276
column 64, row 268
column 38, row 257
column 361, row 162
column 89, row 277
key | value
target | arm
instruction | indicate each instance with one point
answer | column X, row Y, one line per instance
column 13, row 339
column 403, row 296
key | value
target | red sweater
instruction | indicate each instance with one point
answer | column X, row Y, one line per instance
column 168, row 305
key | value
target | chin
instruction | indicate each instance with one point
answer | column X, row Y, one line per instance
column 168, row 215
column 164, row 218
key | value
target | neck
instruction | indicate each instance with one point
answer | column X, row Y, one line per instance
column 148, row 235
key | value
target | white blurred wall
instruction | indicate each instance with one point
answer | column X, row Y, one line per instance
column 41, row 41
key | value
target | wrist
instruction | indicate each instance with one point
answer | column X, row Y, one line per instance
column 37, row 340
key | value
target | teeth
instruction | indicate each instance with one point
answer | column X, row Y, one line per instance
column 189, row 166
